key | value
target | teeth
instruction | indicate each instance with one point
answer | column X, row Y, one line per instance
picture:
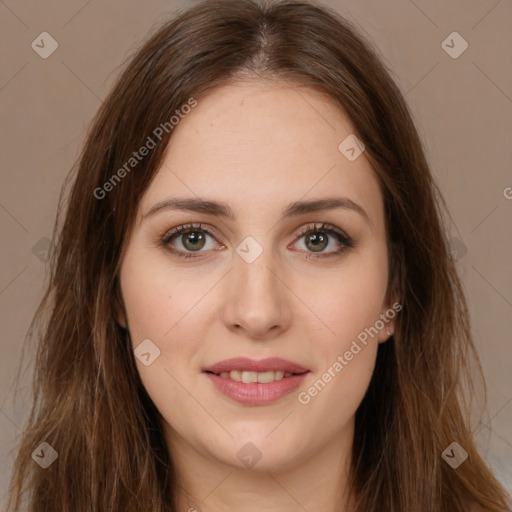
column 265, row 377
column 250, row 377
column 235, row 375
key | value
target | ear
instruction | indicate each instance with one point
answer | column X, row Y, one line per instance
column 121, row 318
column 118, row 308
column 391, row 307
column 387, row 320
column 120, row 313
column 388, row 315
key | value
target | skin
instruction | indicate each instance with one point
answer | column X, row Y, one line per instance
column 258, row 146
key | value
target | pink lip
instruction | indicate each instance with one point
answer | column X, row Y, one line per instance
column 250, row 365
column 256, row 393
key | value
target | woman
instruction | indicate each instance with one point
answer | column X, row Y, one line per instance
column 253, row 303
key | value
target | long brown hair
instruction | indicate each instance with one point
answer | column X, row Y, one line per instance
column 89, row 402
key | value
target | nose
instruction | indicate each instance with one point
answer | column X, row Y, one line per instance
column 258, row 300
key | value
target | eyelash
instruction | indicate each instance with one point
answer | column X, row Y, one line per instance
column 339, row 235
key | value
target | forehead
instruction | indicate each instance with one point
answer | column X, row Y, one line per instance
column 260, row 144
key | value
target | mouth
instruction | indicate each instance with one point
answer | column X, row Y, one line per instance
column 249, row 377
column 254, row 382
column 243, row 369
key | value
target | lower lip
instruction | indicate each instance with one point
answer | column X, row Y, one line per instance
column 256, row 393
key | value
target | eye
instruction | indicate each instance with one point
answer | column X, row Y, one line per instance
column 191, row 238
column 316, row 239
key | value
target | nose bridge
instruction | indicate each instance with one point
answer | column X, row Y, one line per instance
column 256, row 299
column 255, row 271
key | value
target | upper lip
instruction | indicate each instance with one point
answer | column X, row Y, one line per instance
column 251, row 365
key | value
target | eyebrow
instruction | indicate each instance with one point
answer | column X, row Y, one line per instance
column 220, row 209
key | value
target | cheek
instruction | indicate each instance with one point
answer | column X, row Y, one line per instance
column 162, row 306
column 345, row 302
column 158, row 299
column 349, row 304
column 332, row 397
column 346, row 351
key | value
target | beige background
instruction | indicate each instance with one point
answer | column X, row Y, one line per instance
column 462, row 106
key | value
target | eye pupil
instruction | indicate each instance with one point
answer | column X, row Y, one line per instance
column 194, row 237
column 318, row 241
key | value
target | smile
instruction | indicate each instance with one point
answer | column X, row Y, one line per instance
column 249, row 377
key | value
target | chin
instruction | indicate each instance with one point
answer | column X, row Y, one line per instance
column 259, row 454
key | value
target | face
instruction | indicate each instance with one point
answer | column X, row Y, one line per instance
column 263, row 283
